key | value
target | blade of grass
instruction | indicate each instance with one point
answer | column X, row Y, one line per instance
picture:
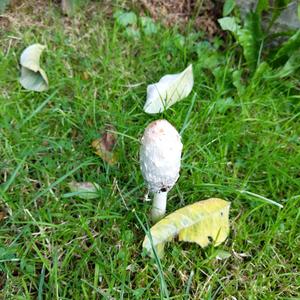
column 38, row 109
column 164, row 290
column 41, row 284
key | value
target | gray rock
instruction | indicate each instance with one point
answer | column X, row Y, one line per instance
column 287, row 20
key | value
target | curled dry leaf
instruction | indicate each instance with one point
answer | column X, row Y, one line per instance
column 203, row 222
column 169, row 90
column 104, row 146
column 84, row 190
column 33, row 77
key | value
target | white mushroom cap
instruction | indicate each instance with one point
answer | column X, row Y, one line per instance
column 160, row 156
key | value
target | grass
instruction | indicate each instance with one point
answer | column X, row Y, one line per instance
column 241, row 143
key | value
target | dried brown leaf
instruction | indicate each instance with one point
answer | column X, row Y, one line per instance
column 3, row 213
column 105, row 145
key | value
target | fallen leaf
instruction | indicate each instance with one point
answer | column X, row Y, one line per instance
column 3, row 215
column 104, row 146
column 148, row 26
column 125, row 18
column 203, row 222
column 33, row 77
column 4, row 212
column 229, row 23
column 84, row 190
column 222, row 254
column 169, row 90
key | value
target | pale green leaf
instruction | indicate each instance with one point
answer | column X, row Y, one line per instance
column 84, row 190
column 33, row 77
column 148, row 25
column 203, row 222
column 290, row 66
column 3, row 5
column 229, row 23
column 289, row 47
column 228, row 7
column 125, row 18
column 222, row 254
column 169, row 90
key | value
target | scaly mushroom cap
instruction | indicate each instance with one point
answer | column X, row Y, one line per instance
column 160, row 156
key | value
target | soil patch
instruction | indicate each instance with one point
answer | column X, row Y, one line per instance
column 203, row 13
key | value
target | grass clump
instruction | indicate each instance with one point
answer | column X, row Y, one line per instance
column 241, row 143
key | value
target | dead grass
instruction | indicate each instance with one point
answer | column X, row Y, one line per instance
column 26, row 13
column 203, row 14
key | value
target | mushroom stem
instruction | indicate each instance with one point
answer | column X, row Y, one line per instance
column 159, row 206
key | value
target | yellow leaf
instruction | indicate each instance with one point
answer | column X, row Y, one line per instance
column 203, row 222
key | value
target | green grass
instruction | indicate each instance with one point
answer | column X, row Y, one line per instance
column 241, row 137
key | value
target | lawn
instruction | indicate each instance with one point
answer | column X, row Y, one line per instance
column 241, row 143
